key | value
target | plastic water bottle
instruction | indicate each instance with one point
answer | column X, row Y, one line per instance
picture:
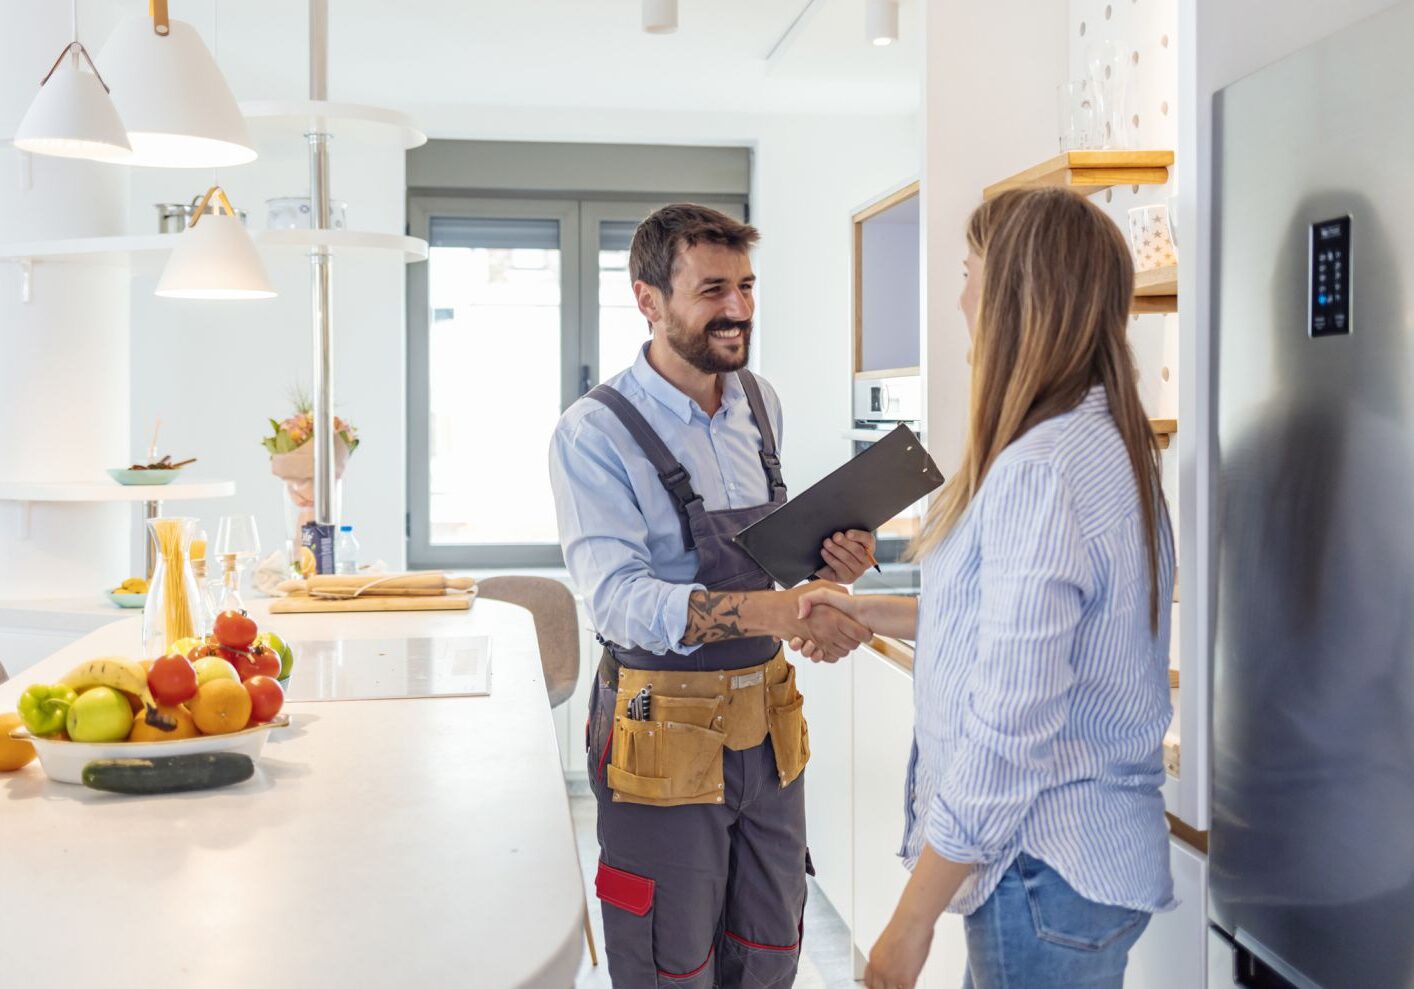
column 346, row 551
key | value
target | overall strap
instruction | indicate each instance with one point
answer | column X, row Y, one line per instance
column 769, row 458
column 671, row 472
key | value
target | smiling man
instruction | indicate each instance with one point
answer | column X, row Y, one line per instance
column 696, row 739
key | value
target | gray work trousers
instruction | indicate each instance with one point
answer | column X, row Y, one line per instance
column 701, row 895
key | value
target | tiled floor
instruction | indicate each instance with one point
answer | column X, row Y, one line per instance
column 826, row 959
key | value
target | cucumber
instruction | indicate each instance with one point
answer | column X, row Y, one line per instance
column 168, row 773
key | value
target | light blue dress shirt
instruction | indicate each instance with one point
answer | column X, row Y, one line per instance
column 620, row 530
column 1042, row 696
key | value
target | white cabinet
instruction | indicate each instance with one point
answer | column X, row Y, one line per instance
column 1172, row 953
column 883, row 738
column 829, row 783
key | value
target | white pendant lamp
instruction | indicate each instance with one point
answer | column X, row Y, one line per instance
column 660, row 16
column 881, row 21
column 72, row 116
column 215, row 259
column 173, row 99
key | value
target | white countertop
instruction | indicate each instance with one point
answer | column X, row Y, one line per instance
column 380, row 843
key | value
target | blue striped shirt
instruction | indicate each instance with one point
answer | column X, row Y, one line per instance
column 1041, row 694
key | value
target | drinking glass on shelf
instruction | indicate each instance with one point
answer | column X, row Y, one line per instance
column 1078, row 116
column 238, row 547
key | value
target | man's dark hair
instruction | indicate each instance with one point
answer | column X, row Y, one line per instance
column 659, row 238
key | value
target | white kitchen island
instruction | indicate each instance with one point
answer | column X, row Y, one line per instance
column 407, row 842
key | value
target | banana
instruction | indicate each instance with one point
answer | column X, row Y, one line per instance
column 108, row 671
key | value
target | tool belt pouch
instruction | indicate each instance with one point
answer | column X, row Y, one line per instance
column 790, row 735
column 673, row 758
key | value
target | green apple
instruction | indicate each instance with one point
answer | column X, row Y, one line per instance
column 214, row 668
column 281, row 649
column 100, row 714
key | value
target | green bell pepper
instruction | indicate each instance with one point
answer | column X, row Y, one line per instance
column 44, row 709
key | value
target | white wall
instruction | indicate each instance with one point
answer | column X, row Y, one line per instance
column 63, row 355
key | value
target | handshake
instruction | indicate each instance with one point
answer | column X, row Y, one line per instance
column 822, row 621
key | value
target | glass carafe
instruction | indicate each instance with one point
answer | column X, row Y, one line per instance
column 173, row 607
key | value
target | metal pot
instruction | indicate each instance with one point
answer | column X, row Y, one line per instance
column 293, row 213
column 173, row 218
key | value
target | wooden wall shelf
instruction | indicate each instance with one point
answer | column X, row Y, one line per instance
column 1155, row 291
column 1165, row 430
column 1091, row 171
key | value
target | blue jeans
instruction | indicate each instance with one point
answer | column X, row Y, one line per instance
column 1035, row 932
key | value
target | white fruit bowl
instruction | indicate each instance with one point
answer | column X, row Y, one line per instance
column 63, row 761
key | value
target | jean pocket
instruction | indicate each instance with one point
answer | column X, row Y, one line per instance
column 1064, row 917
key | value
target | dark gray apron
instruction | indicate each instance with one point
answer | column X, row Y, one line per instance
column 704, row 896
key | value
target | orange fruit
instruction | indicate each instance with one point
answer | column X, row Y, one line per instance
column 144, row 732
column 13, row 752
column 220, row 706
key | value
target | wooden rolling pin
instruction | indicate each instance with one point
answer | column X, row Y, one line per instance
column 379, row 585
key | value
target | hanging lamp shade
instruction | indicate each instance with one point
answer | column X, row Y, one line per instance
column 173, row 99
column 215, row 259
column 72, row 115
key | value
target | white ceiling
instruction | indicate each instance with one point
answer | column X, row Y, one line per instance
column 571, row 54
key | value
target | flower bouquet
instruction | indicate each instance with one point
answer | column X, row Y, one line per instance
column 292, row 461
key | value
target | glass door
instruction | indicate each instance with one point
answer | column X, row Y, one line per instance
column 494, row 347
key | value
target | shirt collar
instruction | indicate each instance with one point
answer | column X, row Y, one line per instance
column 1095, row 400
column 674, row 401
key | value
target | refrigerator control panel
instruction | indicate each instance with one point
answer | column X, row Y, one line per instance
column 1328, row 305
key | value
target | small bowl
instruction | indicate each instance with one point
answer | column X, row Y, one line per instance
column 124, row 600
column 63, row 762
column 128, row 476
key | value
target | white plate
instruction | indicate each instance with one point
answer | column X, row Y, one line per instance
column 63, row 762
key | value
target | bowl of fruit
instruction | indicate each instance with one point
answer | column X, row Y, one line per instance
column 187, row 720
column 158, row 472
column 131, row 593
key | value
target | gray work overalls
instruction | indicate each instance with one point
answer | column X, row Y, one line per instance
column 701, row 895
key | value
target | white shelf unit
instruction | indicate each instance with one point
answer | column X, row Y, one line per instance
column 346, row 121
column 96, row 491
column 117, row 250
column 26, row 493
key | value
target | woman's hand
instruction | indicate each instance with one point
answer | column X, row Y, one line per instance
column 898, row 956
column 825, row 597
column 847, row 555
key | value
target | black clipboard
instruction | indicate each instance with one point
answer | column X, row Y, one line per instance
column 862, row 494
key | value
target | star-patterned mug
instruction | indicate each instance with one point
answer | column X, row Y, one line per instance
column 1151, row 237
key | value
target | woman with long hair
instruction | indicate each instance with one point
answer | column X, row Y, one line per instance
column 1041, row 687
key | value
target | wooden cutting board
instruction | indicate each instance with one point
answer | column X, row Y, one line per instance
column 299, row 605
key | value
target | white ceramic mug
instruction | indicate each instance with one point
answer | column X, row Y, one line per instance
column 1151, row 238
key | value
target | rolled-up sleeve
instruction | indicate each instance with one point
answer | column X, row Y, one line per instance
column 1033, row 573
column 605, row 541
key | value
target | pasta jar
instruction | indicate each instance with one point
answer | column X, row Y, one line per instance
column 173, row 598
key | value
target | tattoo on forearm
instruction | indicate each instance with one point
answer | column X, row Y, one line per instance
column 713, row 616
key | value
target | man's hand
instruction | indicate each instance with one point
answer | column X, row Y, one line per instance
column 847, row 555
column 832, row 633
column 819, row 601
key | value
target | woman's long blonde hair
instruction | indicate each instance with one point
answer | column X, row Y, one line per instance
column 1056, row 288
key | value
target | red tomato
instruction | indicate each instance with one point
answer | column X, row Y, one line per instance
column 266, row 662
column 234, row 630
column 266, row 698
column 245, row 668
column 172, row 680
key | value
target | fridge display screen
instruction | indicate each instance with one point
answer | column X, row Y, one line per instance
column 1329, row 304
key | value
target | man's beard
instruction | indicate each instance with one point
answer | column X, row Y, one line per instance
column 695, row 346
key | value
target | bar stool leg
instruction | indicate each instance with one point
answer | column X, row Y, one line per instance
column 589, row 937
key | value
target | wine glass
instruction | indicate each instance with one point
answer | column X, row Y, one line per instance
column 237, row 546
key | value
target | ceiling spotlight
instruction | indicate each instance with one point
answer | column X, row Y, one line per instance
column 660, row 16
column 881, row 21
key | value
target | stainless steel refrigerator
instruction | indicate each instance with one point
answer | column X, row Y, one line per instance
column 1312, row 840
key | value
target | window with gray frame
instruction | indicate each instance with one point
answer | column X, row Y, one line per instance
column 524, row 304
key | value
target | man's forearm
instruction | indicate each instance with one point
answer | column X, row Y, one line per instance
column 715, row 616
